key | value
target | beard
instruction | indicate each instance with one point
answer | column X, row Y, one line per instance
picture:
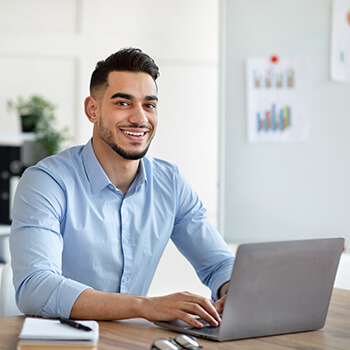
column 107, row 137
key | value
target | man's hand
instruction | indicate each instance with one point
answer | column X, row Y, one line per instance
column 183, row 306
column 219, row 304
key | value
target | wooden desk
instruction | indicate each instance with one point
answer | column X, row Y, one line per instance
column 139, row 334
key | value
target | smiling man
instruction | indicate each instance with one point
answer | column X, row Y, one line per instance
column 91, row 223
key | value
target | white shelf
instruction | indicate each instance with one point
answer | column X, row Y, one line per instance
column 15, row 139
column 5, row 230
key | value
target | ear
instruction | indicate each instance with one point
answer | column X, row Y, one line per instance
column 91, row 109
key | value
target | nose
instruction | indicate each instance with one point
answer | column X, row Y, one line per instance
column 138, row 116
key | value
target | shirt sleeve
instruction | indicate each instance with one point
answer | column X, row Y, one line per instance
column 198, row 240
column 36, row 245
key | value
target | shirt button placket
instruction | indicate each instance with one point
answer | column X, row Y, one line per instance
column 127, row 248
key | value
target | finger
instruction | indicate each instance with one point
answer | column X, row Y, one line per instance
column 219, row 305
column 207, row 305
column 190, row 320
column 198, row 310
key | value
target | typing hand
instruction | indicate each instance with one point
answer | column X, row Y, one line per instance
column 183, row 306
column 219, row 305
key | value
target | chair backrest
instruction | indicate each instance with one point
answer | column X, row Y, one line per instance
column 8, row 306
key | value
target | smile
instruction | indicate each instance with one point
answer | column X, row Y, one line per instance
column 134, row 133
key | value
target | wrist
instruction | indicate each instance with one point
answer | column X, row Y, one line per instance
column 223, row 290
column 143, row 307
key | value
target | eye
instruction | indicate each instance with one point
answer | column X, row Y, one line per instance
column 151, row 105
column 122, row 103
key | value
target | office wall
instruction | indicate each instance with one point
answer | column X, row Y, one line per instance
column 292, row 190
column 50, row 47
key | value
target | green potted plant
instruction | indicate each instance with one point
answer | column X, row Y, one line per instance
column 31, row 110
column 38, row 116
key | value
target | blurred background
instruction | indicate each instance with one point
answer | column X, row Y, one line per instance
column 50, row 48
column 252, row 192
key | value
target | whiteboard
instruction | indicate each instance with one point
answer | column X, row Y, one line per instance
column 283, row 190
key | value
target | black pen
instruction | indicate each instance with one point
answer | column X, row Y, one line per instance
column 75, row 324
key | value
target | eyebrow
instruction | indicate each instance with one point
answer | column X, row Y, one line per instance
column 131, row 97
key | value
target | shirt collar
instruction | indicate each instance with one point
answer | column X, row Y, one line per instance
column 97, row 177
column 94, row 172
column 141, row 177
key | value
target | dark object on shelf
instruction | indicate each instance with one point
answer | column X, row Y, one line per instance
column 28, row 122
column 11, row 167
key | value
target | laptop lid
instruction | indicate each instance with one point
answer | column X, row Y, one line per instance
column 276, row 288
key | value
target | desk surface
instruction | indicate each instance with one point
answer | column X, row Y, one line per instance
column 139, row 334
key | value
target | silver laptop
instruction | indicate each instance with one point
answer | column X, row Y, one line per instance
column 275, row 288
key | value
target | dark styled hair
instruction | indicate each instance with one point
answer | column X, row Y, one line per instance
column 127, row 59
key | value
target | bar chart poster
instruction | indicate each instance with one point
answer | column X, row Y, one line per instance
column 340, row 41
column 276, row 109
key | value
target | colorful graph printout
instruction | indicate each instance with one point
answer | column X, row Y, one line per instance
column 276, row 109
column 272, row 78
column 340, row 45
column 274, row 120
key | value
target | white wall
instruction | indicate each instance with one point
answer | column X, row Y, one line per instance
column 50, row 47
column 292, row 190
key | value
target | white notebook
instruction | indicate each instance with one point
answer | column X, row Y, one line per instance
column 38, row 329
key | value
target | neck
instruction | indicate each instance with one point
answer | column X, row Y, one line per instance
column 121, row 172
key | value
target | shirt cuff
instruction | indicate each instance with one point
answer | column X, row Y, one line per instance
column 220, row 278
column 63, row 298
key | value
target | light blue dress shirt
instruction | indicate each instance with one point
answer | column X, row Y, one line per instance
column 73, row 229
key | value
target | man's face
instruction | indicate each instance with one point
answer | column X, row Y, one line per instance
column 128, row 113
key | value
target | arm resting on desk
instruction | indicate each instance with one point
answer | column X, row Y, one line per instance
column 92, row 304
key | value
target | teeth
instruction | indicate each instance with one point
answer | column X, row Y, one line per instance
column 134, row 133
